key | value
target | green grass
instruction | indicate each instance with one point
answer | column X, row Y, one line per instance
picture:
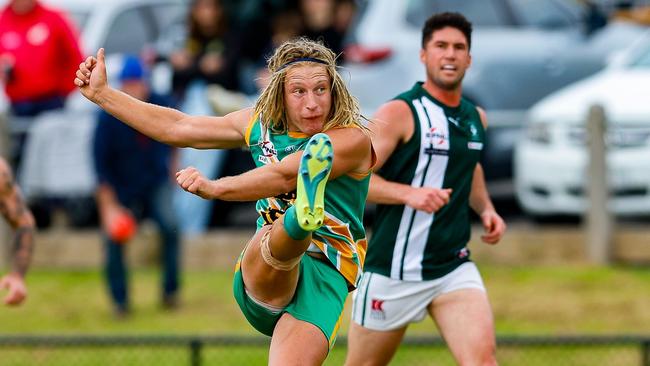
column 539, row 301
column 550, row 300
column 407, row 355
column 566, row 300
column 77, row 302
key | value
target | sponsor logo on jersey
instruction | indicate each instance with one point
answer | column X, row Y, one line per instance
column 268, row 149
column 377, row 309
column 463, row 253
column 473, row 145
column 432, row 151
column 473, row 131
column 435, row 137
column 263, row 159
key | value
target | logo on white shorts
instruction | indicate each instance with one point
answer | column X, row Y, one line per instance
column 377, row 309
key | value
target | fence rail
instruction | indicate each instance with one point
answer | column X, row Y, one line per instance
column 204, row 350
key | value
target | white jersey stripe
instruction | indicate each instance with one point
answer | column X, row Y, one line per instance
column 405, row 222
column 414, row 225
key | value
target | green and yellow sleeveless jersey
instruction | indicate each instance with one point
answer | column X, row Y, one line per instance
column 446, row 145
column 342, row 237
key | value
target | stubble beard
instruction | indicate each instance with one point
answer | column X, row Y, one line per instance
column 446, row 85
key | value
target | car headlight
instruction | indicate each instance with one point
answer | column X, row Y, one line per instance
column 539, row 132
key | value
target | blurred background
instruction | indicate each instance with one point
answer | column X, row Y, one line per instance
column 569, row 283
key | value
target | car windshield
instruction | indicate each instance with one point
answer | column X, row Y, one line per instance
column 479, row 12
column 535, row 13
column 642, row 61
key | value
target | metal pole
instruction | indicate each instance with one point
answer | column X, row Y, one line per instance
column 195, row 352
column 598, row 218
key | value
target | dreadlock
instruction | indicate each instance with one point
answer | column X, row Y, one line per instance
column 270, row 105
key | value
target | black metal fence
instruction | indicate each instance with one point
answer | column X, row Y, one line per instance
column 623, row 350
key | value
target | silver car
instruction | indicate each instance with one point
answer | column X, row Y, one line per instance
column 522, row 50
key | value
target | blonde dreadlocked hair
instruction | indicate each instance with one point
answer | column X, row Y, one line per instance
column 270, row 105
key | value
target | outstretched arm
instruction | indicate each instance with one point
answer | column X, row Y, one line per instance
column 19, row 217
column 167, row 125
column 392, row 126
column 352, row 154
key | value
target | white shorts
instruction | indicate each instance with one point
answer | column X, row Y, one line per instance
column 383, row 303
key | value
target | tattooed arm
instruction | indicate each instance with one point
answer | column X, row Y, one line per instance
column 18, row 216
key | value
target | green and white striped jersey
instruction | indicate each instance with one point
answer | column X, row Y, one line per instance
column 446, row 145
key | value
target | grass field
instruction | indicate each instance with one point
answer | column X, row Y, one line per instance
column 408, row 356
column 539, row 301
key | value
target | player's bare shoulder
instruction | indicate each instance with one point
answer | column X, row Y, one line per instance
column 353, row 143
column 393, row 118
column 483, row 115
column 355, row 138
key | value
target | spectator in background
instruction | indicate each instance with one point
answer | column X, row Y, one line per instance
column 346, row 11
column 209, row 54
column 37, row 45
column 210, row 57
column 19, row 217
column 285, row 26
column 134, row 178
column 327, row 20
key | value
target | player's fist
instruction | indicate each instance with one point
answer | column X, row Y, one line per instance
column 14, row 283
column 191, row 180
column 428, row 199
column 91, row 76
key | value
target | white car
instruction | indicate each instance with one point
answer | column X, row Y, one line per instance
column 57, row 161
column 551, row 159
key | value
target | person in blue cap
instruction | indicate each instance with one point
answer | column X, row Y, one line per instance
column 134, row 181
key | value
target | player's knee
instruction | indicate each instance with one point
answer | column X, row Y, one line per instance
column 485, row 356
column 267, row 256
column 489, row 359
column 367, row 361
